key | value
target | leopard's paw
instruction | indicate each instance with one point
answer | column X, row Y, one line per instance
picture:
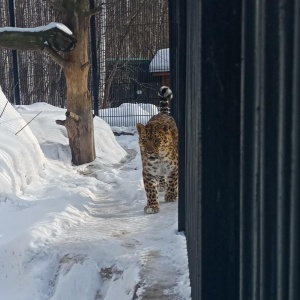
column 151, row 209
column 172, row 197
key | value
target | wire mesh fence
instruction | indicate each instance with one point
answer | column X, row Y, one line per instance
column 126, row 36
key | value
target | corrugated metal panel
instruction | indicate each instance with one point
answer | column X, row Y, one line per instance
column 270, row 38
column 294, row 251
column 239, row 145
column 178, row 73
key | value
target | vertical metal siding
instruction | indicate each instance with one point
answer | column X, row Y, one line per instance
column 211, row 103
column 177, row 19
column 294, row 253
column 193, row 145
column 220, row 138
column 267, row 72
column 241, row 135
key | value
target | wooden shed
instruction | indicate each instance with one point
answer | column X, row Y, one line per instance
column 160, row 66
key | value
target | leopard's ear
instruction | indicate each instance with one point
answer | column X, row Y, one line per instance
column 141, row 128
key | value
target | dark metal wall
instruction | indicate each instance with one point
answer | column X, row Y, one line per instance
column 270, row 151
column 177, row 17
column 236, row 82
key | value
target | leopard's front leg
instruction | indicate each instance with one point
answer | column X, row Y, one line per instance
column 161, row 183
column 151, row 185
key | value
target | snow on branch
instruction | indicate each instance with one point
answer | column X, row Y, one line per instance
column 56, row 36
column 50, row 26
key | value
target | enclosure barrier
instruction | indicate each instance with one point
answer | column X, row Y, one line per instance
column 236, row 82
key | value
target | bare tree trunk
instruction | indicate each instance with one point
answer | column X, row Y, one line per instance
column 79, row 121
column 81, row 129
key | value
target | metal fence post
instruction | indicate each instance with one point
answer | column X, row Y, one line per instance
column 177, row 17
column 16, row 93
column 95, row 76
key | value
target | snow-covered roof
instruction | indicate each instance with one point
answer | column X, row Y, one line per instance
column 160, row 62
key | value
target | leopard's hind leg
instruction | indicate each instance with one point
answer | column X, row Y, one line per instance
column 171, row 193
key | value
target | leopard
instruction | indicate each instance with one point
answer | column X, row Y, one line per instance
column 158, row 142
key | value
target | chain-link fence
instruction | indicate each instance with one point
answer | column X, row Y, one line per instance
column 127, row 65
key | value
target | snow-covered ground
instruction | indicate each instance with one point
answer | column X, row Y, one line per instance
column 80, row 233
column 128, row 114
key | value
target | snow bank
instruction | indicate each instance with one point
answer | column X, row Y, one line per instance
column 79, row 232
column 149, row 108
column 54, row 140
column 128, row 114
column 21, row 158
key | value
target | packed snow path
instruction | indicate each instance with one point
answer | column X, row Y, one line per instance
column 123, row 252
column 81, row 233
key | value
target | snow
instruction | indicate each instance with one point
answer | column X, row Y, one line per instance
column 140, row 113
column 49, row 26
column 79, row 232
column 160, row 61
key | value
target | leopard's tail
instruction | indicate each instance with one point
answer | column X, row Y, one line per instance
column 165, row 95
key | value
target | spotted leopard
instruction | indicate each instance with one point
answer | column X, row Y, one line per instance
column 158, row 141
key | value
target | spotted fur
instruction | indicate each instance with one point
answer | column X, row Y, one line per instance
column 158, row 142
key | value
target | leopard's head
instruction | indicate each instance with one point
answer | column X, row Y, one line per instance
column 153, row 139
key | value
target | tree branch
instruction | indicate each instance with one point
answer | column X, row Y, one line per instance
column 95, row 10
column 55, row 56
column 60, row 122
column 73, row 116
column 57, row 6
column 85, row 65
column 22, row 40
